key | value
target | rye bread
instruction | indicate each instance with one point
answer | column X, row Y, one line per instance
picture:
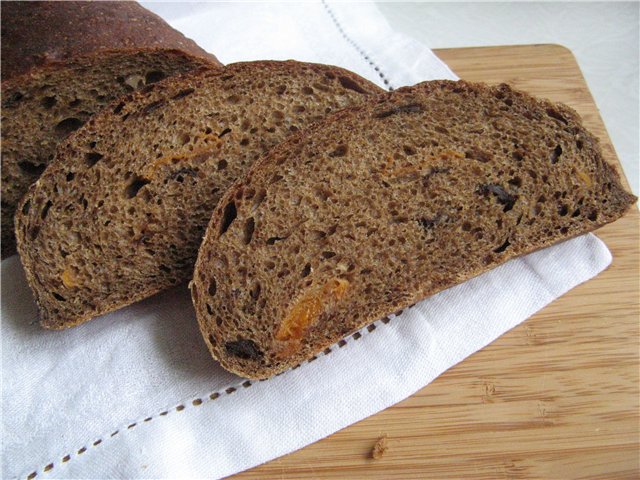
column 62, row 62
column 121, row 211
column 385, row 204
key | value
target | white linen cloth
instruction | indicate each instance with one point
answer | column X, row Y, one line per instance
column 135, row 394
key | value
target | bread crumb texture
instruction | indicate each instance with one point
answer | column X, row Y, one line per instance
column 121, row 211
column 385, row 204
column 40, row 111
column 380, row 447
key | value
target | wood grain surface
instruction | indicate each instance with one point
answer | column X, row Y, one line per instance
column 556, row 397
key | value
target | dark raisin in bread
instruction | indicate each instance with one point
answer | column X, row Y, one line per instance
column 121, row 211
column 63, row 61
column 385, row 204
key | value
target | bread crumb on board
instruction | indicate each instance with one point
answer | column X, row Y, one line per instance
column 380, row 447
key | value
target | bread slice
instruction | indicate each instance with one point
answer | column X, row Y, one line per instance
column 54, row 77
column 120, row 213
column 385, row 204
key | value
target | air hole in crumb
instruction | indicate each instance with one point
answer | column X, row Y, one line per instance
column 118, row 108
column 32, row 168
column 183, row 93
column 92, row 158
column 34, row 231
column 516, row 182
column 328, row 255
column 409, row 150
column 564, row 230
column 134, row 186
column 575, row 213
column 249, row 227
column 48, row 102
column 164, row 268
column 70, row 176
column 273, row 240
column 212, row 287
column 466, row 226
column 579, row 144
column 593, row 216
column 58, row 297
column 281, row 89
column 154, row 76
column 555, row 114
column 209, row 309
column 502, row 247
column 224, row 132
column 340, row 151
column 477, row 154
column 228, row 216
column 68, row 125
column 306, row 271
column 555, row 155
column 25, row 207
column 75, row 103
column 351, row 84
column 563, row 210
column 244, row 142
column 307, row 90
column 222, row 164
column 255, row 291
column 45, row 210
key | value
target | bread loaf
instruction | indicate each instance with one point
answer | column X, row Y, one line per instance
column 63, row 61
column 120, row 213
column 385, row 204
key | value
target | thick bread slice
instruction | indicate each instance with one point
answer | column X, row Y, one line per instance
column 384, row 204
column 121, row 211
column 41, row 109
column 54, row 77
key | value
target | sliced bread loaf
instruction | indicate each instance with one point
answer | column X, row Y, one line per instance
column 121, row 211
column 63, row 61
column 384, row 204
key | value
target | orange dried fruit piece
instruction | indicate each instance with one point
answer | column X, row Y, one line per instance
column 586, row 179
column 68, row 278
column 308, row 308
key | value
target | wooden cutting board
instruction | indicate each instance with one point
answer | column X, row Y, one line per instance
column 556, row 397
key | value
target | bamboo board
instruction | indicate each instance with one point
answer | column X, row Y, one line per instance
column 556, row 397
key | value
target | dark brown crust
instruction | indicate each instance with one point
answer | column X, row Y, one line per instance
column 283, row 156
column 35, row 34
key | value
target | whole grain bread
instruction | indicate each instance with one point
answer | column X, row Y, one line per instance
column 385, row 204
column 121, row 211
column 63, row 61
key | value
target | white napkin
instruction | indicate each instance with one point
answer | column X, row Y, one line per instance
column 136, row 394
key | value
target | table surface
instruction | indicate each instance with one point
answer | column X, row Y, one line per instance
column 556, row 397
